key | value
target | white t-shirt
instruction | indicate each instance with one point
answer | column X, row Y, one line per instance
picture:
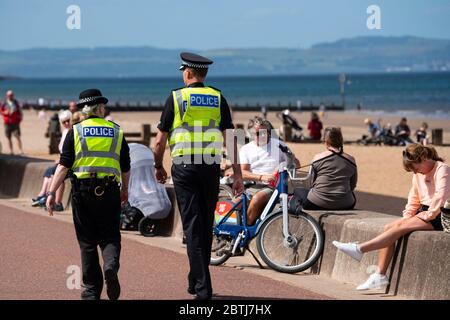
column 262, row 159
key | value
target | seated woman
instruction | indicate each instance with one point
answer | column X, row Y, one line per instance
column 65, row 119
column 334, row 177
column 429, row 191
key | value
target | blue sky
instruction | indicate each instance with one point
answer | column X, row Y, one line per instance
column 207, row 24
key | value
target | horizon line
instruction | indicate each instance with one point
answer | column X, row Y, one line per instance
column 222, row 48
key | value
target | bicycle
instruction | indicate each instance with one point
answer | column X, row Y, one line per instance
column 288, row 241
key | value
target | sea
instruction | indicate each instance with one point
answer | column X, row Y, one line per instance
column 411, row 94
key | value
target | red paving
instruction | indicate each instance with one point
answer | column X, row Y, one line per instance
column 37, row 250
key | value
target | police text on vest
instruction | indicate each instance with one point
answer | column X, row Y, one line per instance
column 98, row 132
column 204, row 100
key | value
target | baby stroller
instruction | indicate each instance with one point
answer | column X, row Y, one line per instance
column 289, row 122
column 148, row 201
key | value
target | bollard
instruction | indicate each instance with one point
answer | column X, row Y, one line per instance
column 55, row 138
column 146, row 134
column 437, row 137
column 287, row 133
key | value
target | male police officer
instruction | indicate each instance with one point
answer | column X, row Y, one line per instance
column 97, row 153
column 195, row 119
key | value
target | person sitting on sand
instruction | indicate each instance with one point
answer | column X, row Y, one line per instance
column 334, row 177
column 429, row 191
column 421, row 134
column 402, row 132
column 373, row 128
column 315, row 127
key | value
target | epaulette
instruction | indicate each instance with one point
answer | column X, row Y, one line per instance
column 178, row 88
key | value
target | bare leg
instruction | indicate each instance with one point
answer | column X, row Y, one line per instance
column 45, row 186
column 386, row 240
column 19, row 141
column 256, row 206
column 10, row 146
column 384, row 257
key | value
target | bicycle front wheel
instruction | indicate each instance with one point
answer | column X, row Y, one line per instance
column 298, row 255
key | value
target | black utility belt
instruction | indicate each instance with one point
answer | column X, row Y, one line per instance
column 95, row 185
column 194, row 159
column 97, row 181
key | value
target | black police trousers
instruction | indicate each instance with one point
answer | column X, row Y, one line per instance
column 97, row 223
column 197, row 188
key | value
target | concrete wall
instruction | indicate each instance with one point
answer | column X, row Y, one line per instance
column 172, row 226
column 420, row 268
column 22, row 177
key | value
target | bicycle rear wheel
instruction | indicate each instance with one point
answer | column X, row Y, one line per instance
column 301, row 254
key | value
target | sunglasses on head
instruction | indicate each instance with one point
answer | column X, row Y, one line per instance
column 407, row 155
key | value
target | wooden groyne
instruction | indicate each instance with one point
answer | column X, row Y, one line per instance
column 138, row 106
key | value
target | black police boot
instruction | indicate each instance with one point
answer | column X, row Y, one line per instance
column 112, row 284
column 92, row 291
column 89, row 295
column 199, row 297
column 191, row 290
column 191, row 286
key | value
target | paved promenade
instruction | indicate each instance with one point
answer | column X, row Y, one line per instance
column 36, row 251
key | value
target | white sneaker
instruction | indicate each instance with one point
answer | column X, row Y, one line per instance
column 350, row 248
column 375, row 281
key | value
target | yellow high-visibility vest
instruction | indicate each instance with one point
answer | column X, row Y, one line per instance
column 97, row 149
column 195, row 129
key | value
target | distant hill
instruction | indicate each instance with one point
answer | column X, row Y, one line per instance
column 360, row 54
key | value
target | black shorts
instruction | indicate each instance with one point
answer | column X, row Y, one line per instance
column 50, row 171
column 12, row 129
column 436, row 222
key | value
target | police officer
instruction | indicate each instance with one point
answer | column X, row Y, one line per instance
column 96, row 152
column 194, row 121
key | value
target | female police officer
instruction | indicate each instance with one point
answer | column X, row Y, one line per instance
column 97, row 153
column 195, row 119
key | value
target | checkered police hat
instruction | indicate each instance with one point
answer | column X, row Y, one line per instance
column 195, row 61
column 91, row 97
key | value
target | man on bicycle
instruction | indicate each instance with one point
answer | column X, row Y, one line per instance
column 259, row 161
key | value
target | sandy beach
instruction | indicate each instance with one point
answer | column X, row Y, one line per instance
column 383, row 185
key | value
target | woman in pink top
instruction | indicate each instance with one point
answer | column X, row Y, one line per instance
column 430, row 189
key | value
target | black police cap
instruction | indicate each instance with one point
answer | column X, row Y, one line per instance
column 195, row 61
column 91, row 97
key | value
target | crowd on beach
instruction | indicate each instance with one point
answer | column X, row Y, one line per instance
column 400, row 136
column 333, row 172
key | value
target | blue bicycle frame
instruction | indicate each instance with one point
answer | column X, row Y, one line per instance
column 241, row 231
